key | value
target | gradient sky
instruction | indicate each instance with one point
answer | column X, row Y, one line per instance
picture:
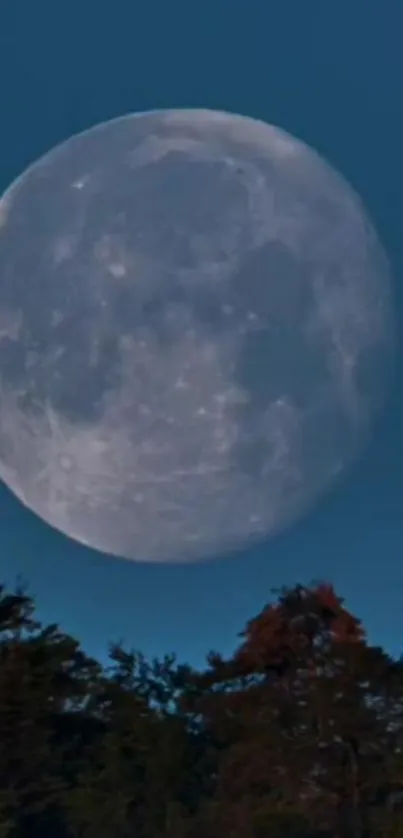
column 329, row 73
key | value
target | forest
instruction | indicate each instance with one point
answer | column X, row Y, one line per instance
column 299, row 733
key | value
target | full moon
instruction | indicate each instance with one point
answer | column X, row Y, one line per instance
column 196, row 333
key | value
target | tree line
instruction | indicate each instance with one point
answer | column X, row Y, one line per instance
column 299, row 733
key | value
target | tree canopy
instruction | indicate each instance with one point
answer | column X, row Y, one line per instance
column 298, row 733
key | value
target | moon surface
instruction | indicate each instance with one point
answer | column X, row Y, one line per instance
column 196, row 333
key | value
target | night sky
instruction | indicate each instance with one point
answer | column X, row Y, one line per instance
column 331, row 75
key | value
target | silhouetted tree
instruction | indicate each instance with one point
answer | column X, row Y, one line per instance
column 299, row 733
column 301, row 716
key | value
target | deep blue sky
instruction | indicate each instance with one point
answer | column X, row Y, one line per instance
column 331, row 74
